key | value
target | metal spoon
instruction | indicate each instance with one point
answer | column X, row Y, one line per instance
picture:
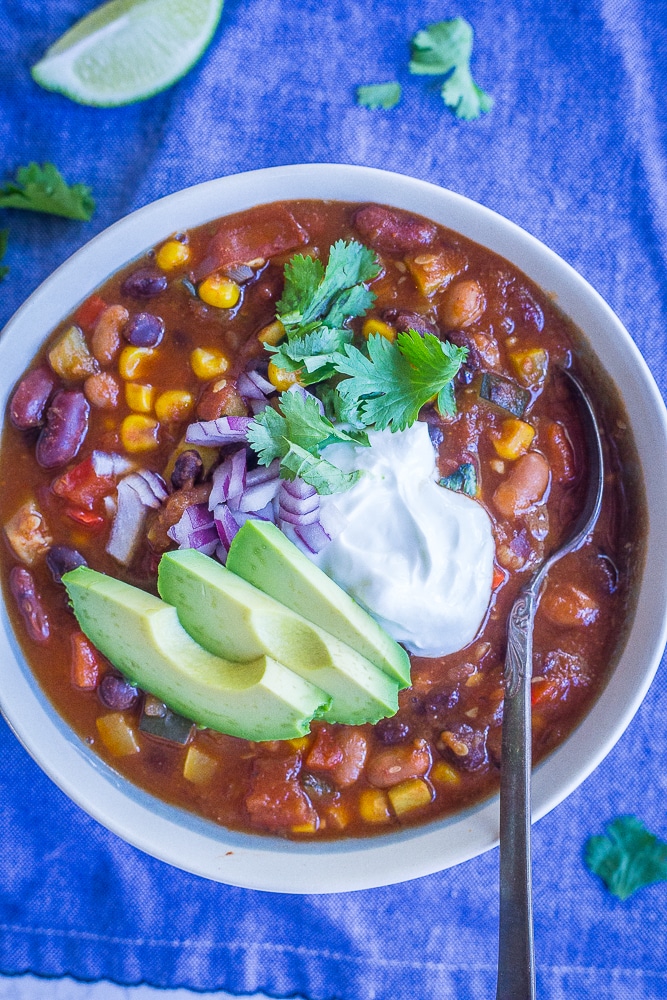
column 516, row 958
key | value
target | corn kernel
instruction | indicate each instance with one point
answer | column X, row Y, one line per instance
column 281, row 378
column 139, row 432
column 132, row 361
column 219, row 291
column 305, row 828
column 198, row 766
column 172, row 254
column 208, row 363
column 117, row 734
column 514, row 438
column 300, row 743
column 411, row 794
column 445, row 774
column 374, row 806
column 372, row 326
column 271, row 334
column 173, row 405
column 139, row 397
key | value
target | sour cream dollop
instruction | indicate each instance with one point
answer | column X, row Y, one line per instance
column 417, row 556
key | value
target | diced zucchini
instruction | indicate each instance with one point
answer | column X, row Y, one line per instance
column 70, row 358
column 117, row 734
column 168, row 726
column 199, row 767
column 462, row 480
column 504, row 393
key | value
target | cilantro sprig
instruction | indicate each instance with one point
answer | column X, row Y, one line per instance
column 389, row 387
column 628, row 858
column 4, row 235
column 446, row 48
column 44, row 189
column 295, row 434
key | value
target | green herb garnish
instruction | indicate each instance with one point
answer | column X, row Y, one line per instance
column 295, row 435
column 4, row 235
column 462, row 480
column 379, row 95
column 43, row 189
column 445, row 48
column 389, row 387
column 628, row 858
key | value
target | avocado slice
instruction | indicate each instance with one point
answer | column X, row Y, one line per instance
column 231, row 618
column 265, row 557
column 143, row 638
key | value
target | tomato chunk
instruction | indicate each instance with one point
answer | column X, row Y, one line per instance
column 82, row 485
column 89, row 312
column 276, row 800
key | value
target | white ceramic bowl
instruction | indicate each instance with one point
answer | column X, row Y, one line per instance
column 269, row 863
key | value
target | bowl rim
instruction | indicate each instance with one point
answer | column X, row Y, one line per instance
column 267, row 863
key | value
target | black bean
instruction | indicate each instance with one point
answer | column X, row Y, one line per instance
column 144, row 330
column 465, row 747
column 404, row 320
column 391, row 730
column 31, row 397
column 66, row 428
column 22, row 586
column 144, row 283
column 117, row 693
column 436, row 434
column 188, row 470
column 437, row 707
column 316, row 786
column 61, row 559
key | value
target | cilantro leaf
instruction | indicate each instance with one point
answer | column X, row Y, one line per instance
column 314, row 296
column 445, row 48
column 325, row 477
column 43, row 189
column 628, row 858
column 4, row 235
column 379, row 95
column 390, row 386
column 312, row 354
column 295, row 436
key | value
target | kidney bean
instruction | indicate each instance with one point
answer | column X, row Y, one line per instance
column 31, row 397
column 117, row 693
column 22, row 586
column 101, row 391
column 462, row 304
column 392, row 231
column 144, row 330
column 188, row 470
column 390, row 767
column 106, row 335
column 144, row 283
column 403, row 320
column 65, row 431
column 392, row 730
column 61, row 559
column 524, row 486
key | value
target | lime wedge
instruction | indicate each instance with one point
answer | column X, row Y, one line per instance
column 128, row 50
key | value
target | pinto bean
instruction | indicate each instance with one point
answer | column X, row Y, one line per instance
column 462, row 304
column 101, row 391
column 65, row 430
column 392, row 231
column 569, row 606
column 106, row 335
column 355, row 750
column 390, row 767
column 524, row 486
column 31, row 397
column 29, row 603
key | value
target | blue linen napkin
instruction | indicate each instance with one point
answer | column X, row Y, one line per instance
column 575, row 152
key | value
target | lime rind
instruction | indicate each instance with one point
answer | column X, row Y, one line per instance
column 128, row 50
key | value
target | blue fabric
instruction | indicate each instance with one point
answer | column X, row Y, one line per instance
column 575, row 151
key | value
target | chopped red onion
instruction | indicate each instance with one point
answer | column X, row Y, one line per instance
column 257, row 405
column 262, row 473
column 239, row 273
column 150, row 487
column 265, row 514
column 224, row 430
column 298, row 488
column 313, row 536
column 293, row 505
column 297, row 519
column 128, row 523
column 225, row 523
column 195, row 530
column 258, row 496
column 107, row 463
column 307, row 395
column 260, row 383
column 229, row 479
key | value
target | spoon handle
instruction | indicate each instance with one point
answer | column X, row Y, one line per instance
column 516, row 958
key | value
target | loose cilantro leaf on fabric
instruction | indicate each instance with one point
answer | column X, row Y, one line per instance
column 628, row 858
column 43, row 189
column 4, row 235
column 379, row 95
column 445, row 48
column 295, row 435
column 314, row 296
column 390, row 386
